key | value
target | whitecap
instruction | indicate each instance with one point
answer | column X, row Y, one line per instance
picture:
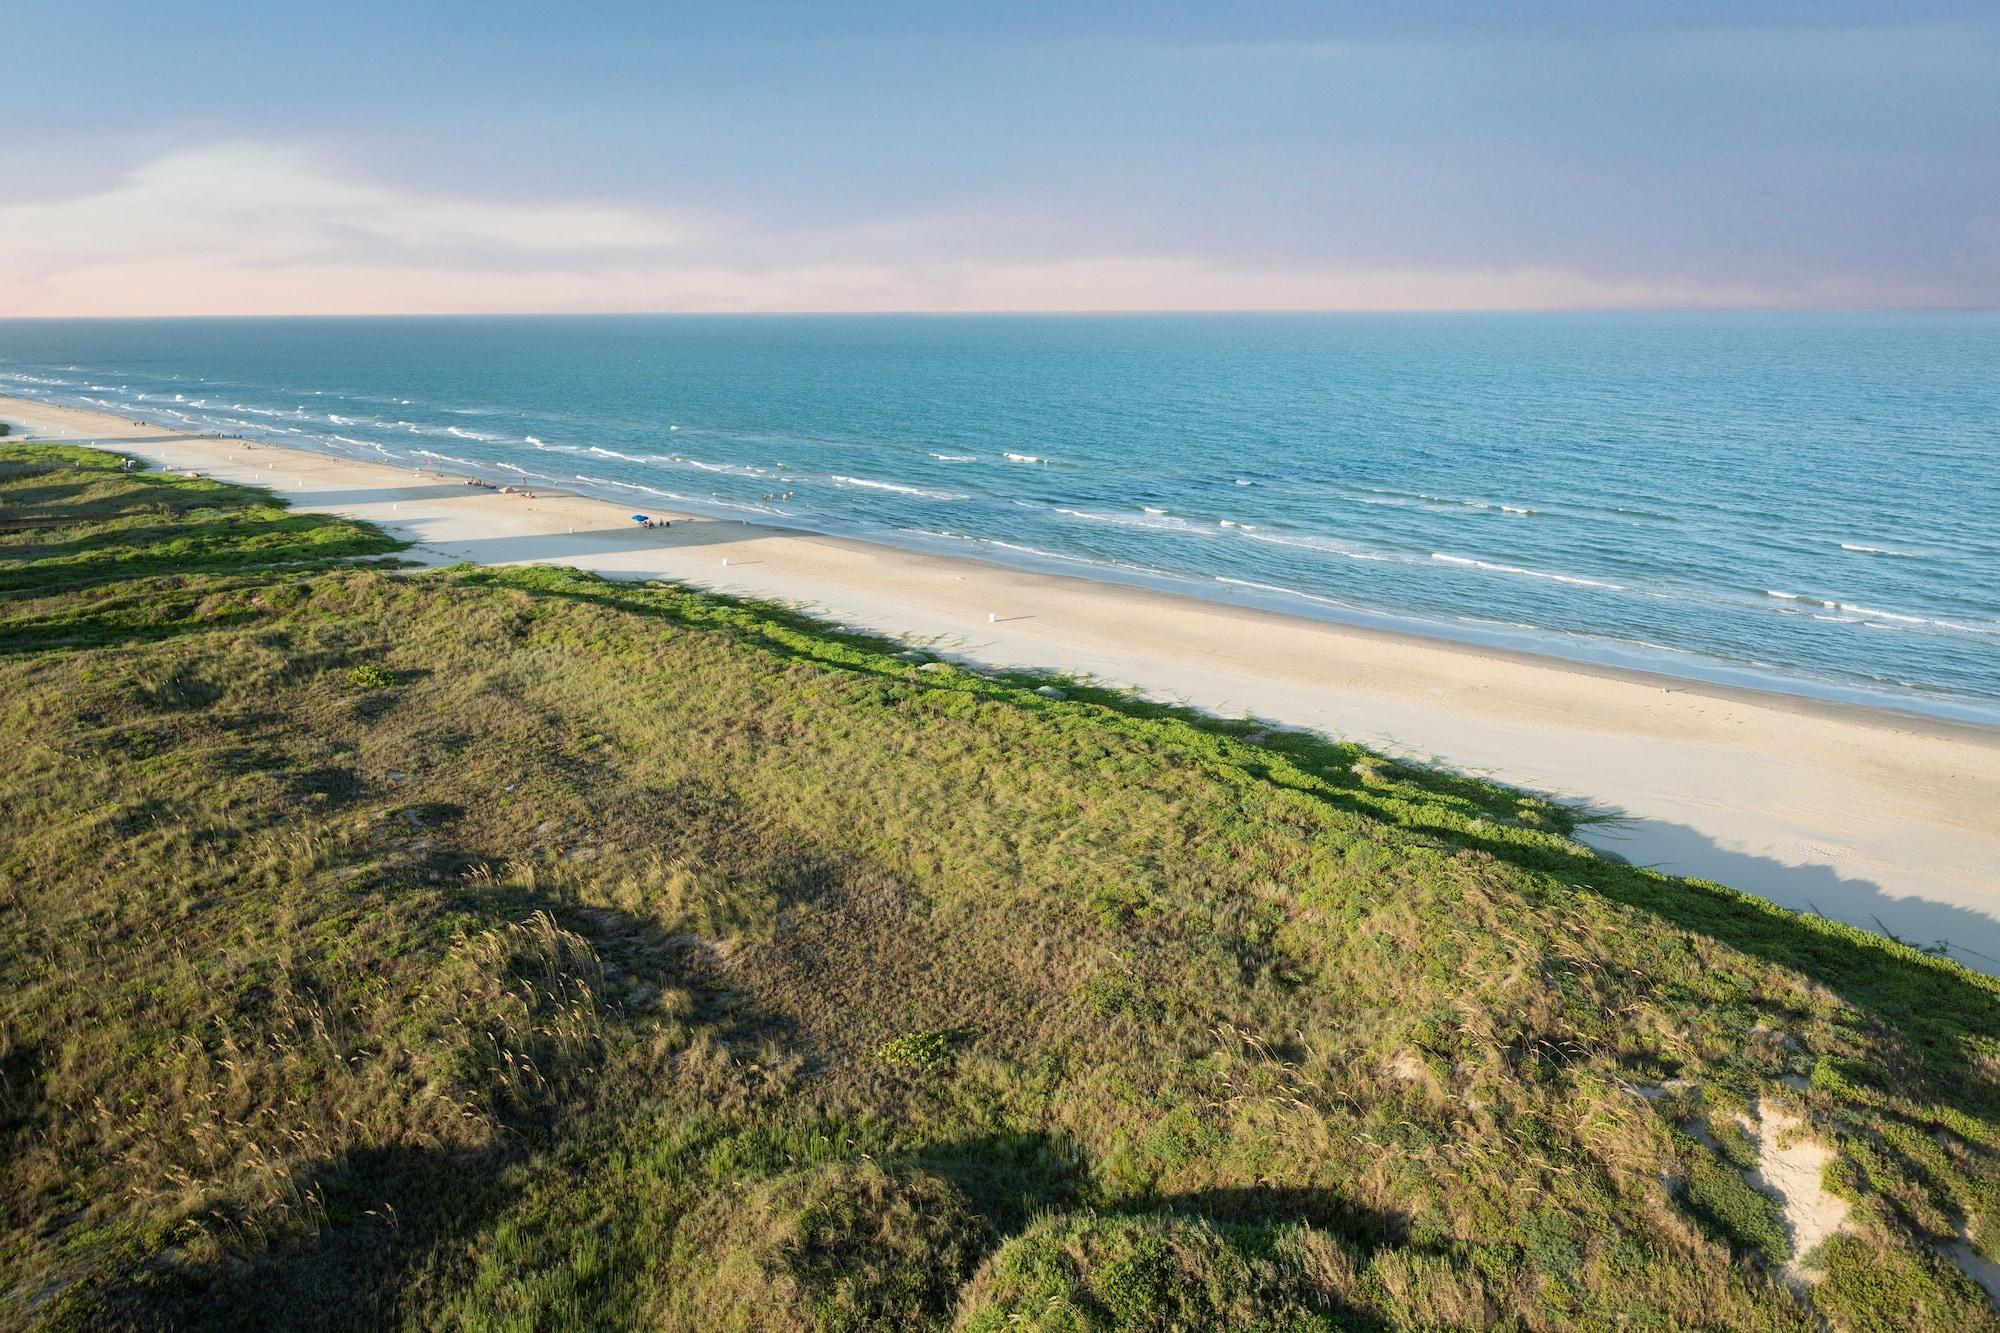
column 1899, row 617
column 630, row 486
column 727, row 469
column 1492, row 567
column 1880, row 619
column 1324, row 544
column 1158, row 522
column 898, row 488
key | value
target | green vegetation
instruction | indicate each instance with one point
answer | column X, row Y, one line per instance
column 1883, row 1290
column 514, row 949
column 1723, row 1202
column 370, row 677
column 1077, row 1274
column 837, row 1246
column 924, row 1050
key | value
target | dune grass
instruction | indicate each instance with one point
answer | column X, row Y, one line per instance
column 514, row 949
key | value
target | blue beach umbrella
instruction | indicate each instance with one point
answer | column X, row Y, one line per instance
column 641, row 518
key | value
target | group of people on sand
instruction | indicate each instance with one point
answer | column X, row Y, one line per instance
column 656, row 523
column 485, row 485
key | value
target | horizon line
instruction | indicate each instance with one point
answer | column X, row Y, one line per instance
column 1057, row 313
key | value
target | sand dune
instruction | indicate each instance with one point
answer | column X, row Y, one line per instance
column 1868, row 816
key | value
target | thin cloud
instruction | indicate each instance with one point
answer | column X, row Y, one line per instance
column 255, row 229
column 256, row 204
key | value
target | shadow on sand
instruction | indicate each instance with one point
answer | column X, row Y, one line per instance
column 1968, row 935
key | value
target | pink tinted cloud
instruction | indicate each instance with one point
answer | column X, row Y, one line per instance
column 253, row 229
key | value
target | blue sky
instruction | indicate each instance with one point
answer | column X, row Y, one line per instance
column 232, row 157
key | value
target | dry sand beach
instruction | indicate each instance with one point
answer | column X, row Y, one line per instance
column 1872, row 817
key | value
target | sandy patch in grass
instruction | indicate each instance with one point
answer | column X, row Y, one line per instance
column 1791, row 1167
column 1405, row 1066
column 1976, row 1266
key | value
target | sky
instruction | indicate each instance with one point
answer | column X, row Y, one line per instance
column 428, row 156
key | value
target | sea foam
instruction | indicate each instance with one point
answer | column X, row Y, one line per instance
column 897, row 488
column 1494, row 567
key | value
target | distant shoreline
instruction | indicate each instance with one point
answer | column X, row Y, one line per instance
column 1856, row 703
column 1676, row 667
column 1859, row 812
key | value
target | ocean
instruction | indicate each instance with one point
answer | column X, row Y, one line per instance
column 1800, row 502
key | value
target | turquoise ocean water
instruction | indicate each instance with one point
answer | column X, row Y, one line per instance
column 1801, row 502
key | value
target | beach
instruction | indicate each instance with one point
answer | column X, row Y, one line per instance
column 1873, row 817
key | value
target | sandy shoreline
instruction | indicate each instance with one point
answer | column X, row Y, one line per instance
column 1869, row 816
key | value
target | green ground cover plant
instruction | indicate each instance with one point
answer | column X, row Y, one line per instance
column 516, row 949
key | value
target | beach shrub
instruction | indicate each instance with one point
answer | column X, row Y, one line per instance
column 1111, row 993
column 370, row 677
column 1734, row 1211
column 1734, row 1143
column 919, row 1050
column 1878, row 1285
